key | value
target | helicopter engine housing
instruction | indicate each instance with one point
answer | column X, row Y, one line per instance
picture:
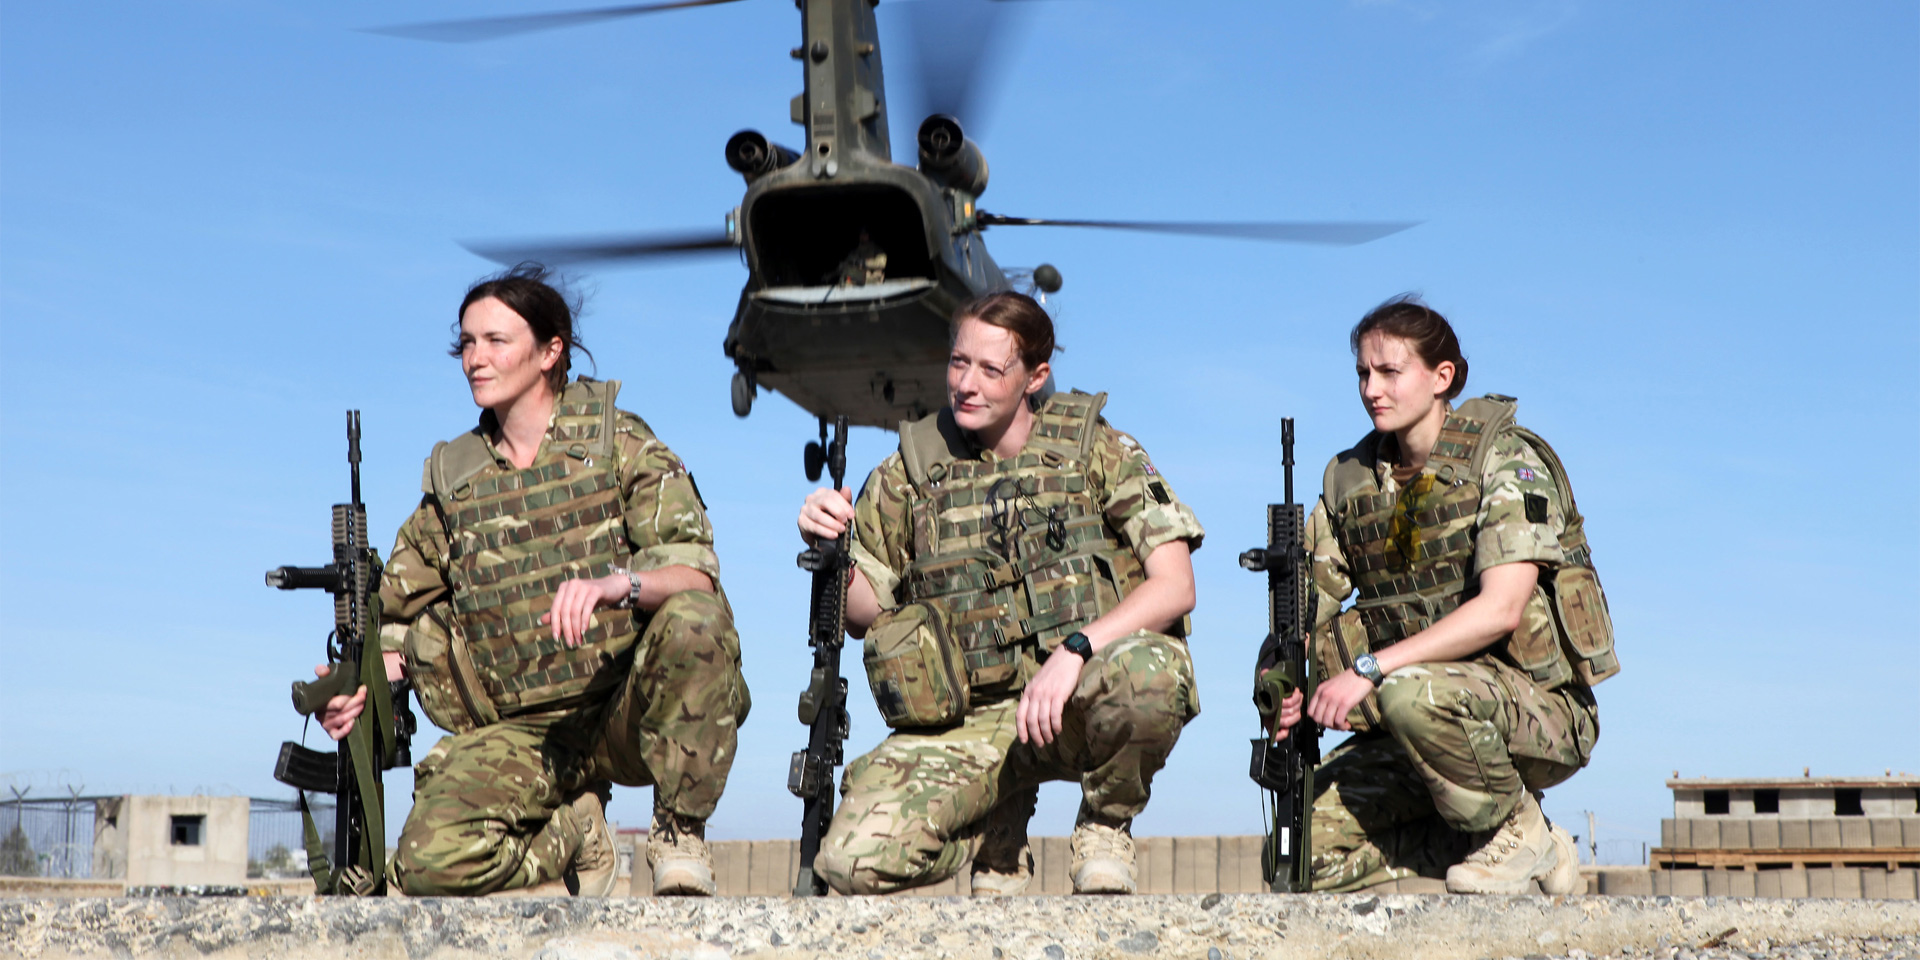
column 753, row 156
column 949, row 157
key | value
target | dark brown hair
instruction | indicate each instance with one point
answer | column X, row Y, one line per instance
column 1423, row 328
column 1019, row 315
column 526, row 290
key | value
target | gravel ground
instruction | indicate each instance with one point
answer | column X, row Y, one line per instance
column 1736, row 948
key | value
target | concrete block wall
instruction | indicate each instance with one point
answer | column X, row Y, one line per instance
column 759, row 868
column 1800, row 801
column 1790, row 833
column 1845, row 883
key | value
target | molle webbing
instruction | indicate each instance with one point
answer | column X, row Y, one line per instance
column 516, row 535
column 1016, row 550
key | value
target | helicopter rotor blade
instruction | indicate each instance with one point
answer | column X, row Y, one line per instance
column 656, row 246
column 1329, row 233
column 954, row 43
column 491, row 28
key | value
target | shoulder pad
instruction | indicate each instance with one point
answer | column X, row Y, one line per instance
column 933, row 440
column 1465, row 438
column 453, row 463
column 1350, row 469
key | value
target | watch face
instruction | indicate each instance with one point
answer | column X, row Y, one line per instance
column 1365, row 664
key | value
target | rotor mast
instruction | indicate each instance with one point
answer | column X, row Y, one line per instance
column 844, row 106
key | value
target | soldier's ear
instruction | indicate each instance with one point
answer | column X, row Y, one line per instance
column 1444, row 373
column 1038, row 378
column 551, row 353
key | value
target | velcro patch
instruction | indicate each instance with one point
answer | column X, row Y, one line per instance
column 1159, row 492
column 1536, row 507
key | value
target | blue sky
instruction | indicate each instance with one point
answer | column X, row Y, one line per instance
column 1685, row 235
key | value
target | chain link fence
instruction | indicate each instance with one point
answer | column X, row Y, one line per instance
column 53, row 836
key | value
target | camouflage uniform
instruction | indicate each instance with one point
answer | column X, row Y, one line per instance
column 911, row 809
column 1445, row 749
column 491, row 801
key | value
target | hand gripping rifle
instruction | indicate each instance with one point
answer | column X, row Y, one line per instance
column 1285, row 769
column 823, row 706
column 382, row 737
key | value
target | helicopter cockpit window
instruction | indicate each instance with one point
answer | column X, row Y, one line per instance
column 839, row 236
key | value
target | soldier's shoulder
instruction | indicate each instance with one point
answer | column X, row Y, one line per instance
column 628, row 422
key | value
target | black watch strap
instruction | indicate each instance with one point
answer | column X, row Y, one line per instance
column 1077, row 642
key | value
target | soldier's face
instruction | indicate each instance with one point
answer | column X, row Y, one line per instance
column 987, row 383
column 1397, row 387
column 499, row 356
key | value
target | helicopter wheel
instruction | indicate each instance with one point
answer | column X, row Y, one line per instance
column 743, row 388
column 816, row 461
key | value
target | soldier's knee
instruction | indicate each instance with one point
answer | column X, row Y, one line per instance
column 1410, row 702
column 1146, row 676
column 692, row 623
column 837, row 869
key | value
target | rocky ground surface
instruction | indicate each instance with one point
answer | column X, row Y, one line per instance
column 1824, row 948
column 1211, row 927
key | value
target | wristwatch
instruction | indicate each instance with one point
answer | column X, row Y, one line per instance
column 1366, row 666
column 632, row 602
column 1077, row 642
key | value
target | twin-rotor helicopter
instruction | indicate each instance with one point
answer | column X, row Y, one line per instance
column 855, row 263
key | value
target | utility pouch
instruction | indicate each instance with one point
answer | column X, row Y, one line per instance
column 918, row 674
column 1335, row 644
column 1585, row 627
column 1534, row 646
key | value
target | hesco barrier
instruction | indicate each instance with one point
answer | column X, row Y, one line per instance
column 1214, row 927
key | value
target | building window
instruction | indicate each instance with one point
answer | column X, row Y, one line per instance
column 188, row 829
column 1846, row 802
column 1718, row 802
column 1766, row 801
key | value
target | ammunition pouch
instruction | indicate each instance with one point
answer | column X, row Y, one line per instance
column 442, row 671
column 1585, row 628
column 917, row 672
column 1335, row 645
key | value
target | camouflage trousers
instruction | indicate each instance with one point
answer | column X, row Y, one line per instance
column 490, row 805
column 1463, row 741
column 910, row 809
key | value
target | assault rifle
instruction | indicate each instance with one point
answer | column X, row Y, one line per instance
column 1284, row 770
column 382, row 736
column 823, row 706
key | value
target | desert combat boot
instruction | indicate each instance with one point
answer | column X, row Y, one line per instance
column 1102, row 855
column 1003, row 863
column 677, row 851
column 1521, row 850
column 596, row 864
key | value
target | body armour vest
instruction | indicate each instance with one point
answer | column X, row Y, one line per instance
column 516, row 535
column 1017, row 552
column 1410, row 553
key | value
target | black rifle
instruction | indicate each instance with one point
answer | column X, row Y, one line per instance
column 1285, row 769
column 382, row 736
column 823, row 706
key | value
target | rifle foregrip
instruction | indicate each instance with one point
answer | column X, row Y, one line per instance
column 310, row 695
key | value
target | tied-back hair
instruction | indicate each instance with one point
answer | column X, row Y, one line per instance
column 1019, row 315
column 1423, row 328
column 533, row 292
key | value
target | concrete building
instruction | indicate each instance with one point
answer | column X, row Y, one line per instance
column 171, row 841
column 1794, row 836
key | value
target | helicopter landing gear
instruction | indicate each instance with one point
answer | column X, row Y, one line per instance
column 743, row 390
column 816, row 454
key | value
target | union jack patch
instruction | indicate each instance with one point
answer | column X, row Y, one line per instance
column 1148, row 467
column 1526, row 473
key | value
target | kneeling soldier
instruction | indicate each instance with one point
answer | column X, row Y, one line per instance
column 555, row 600
column 1022, row 578
column 1468, row 661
